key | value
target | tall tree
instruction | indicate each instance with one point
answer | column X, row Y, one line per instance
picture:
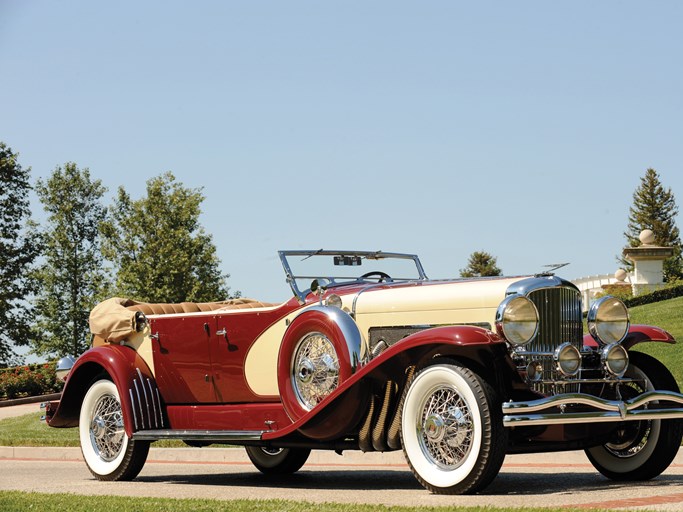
column 72, row 277
column 158, row 247
column 18, row 251
column 654, row 207
column 480, row 264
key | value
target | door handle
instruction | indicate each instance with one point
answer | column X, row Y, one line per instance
column 224, row 332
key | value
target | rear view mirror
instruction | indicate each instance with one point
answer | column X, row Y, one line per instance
column 347, row 261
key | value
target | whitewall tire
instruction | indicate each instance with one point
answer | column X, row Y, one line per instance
column 640, row 450
column 451, row 430
column 108, row 452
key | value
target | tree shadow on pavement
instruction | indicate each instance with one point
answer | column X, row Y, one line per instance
column 507, row 483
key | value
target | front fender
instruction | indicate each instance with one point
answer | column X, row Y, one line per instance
column 140, row 399
column 637, row 334
column 475, row 344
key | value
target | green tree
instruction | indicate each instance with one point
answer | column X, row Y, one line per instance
column 480, row 264
column 72, row 277
column 159, row 249
column 18, row 251
column 654, row 207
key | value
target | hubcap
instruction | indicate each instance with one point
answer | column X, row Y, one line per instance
column 445, row 428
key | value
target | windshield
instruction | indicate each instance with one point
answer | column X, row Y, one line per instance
column 339, row 267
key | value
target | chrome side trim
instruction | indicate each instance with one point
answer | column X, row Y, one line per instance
column 518, row 413
column 135, row 416
column 142, row 413
column 148, row 399
column 200, row 435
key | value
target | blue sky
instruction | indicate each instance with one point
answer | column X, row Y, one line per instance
column 441, row 128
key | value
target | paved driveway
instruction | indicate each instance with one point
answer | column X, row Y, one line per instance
column 526, row 480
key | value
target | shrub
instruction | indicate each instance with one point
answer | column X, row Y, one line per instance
column 670, row 292
column 31, row 380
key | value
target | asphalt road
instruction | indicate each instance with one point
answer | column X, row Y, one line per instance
column 554, row 479
column 541, row 480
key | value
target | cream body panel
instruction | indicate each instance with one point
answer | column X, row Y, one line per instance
column 260, row 366
column 435, row 296
column 434, row 303
column 141, row 342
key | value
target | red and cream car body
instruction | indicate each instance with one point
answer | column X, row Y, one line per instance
column 369, row 354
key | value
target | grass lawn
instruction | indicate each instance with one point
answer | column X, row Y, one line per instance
column 28, row 430
column 14, row 501
column 668, row 315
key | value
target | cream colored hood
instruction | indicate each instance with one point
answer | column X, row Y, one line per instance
column 430, row 303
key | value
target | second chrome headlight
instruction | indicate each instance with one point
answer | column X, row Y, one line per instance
column 517, row 320
column 608, row 320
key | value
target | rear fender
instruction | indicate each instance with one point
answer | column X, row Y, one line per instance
column 140, row 398
column 637, row 334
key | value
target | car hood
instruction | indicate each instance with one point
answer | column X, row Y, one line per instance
column 471, row 301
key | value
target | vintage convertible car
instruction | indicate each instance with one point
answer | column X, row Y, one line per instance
column 372, row 355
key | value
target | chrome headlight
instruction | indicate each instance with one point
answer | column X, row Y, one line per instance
column 517, row 320
column 568, row 359
column 608, row 321
column 614, row 359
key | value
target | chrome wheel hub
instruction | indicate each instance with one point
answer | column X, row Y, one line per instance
column 434, row 428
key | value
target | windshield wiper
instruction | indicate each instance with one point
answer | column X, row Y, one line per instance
column 313, row 254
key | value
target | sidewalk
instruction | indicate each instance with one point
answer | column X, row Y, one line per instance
column 13, row 411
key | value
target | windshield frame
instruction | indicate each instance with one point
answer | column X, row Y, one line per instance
column 338, row 281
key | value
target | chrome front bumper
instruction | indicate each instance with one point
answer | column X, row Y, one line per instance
column 647, row 406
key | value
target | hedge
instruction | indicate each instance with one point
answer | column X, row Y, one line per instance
column 656, row 296
column 30, row 380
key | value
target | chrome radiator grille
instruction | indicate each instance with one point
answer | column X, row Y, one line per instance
column 560, row 319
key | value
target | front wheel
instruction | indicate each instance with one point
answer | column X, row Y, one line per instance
column 108, row 452
column 640, row 450
column 452, row 430
column 277, row 461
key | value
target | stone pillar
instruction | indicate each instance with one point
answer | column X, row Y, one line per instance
column 648, row 261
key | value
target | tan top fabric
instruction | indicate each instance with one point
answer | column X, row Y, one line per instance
column 196, row 307
column 111, row 321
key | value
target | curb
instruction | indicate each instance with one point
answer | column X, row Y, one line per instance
column 237, row 456
column 30, row 400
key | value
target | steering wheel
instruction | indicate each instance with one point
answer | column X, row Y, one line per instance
column 382, row 277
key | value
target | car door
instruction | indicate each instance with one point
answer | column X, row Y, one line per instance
column 183, row 358
column 235, row 332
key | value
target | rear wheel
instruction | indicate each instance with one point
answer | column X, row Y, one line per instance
column 452, row 430
column 640, row 450
column 277, row 461
column 108, row 452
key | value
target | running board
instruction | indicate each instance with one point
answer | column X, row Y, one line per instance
column 216, row 436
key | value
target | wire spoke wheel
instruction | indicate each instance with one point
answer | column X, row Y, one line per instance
column 640, row 450
column 108, row 451
column 315, row 369
column 106, row 428
column 452, row 430
column 446, row 428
